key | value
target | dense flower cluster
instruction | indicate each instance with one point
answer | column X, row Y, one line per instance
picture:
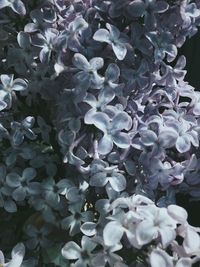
column 98, row 133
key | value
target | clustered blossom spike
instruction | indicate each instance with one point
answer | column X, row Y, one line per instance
column 99, row 132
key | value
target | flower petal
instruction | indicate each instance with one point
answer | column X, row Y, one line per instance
column 105, row 145
column 145, row 232
column 121, row 140
column 114, row 32
column 71, row 251
column 167, row 236
column 19, row 7
column 7, row 79
column 120, row 50
column 80, row 62
column 98, row 179
column 3, row 105
column 102, row 35
column 191, row 241
column 29, row 174
column 2, row 258
column 112, row 233
column 19, row 85
column 118, row 182
column 183, row 144
column 148, row 137
column 78, row 24
column 177, row 213
column 101, row 121
column 112, row 72
column 160, row 258
column 184, row 262
column 136, row 8
column 121, row 121
column 87, row 243
column 19, row 194
column 96, row 63
column 160, row 6
column 13, row 179
column 10, row 206
column 88, row 228
column 3, row 4
column 17, row 255
column 167, row 138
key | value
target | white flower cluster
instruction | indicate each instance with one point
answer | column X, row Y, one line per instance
column 144, row 222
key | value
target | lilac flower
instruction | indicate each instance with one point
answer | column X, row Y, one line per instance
column 6, row 200
column 70, row 37
column 148, row 8
column 17, row 255
column 159, row 257
column 21, row 129
column 104, row 75
column 44, row 129
column 82, row 255
column 8, row 86
column 111, row 78
column 139, row 40
column 47, row 42
column 191, row 241
column 166, row 138
column 136, row 78
column 123, row 224
column 169, row 75
column 107, row 254
column 188, row 12
column 163, row 44
column 112, row 37
column 165, row 174
column 153, row 8
column 104, row 98
column 16, row 5
column 73, row 221
column 53, row 191
column 22, row 185
column 112, row 131
column 116, row 8
column 88, row 76
column 42, row 18
column 186, row 128
column 37, row 237
column 39, row 203
column 195, row 103
column 111, row 176
column 156, row 223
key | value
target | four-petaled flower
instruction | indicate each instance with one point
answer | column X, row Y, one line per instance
column 83, row 255
column 47, row 42
column 21, row 129
column 113, row 37
column 22, row 185
column 7, row 88
column 112, row 130
column 88, row 75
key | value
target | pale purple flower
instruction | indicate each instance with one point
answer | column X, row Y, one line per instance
column 113, row 37
column 156, row 223
column 17, row 255
column 112, row 130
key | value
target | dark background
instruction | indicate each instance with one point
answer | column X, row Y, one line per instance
column 191, row 50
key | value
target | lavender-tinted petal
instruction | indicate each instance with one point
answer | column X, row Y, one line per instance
column 105, row 144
